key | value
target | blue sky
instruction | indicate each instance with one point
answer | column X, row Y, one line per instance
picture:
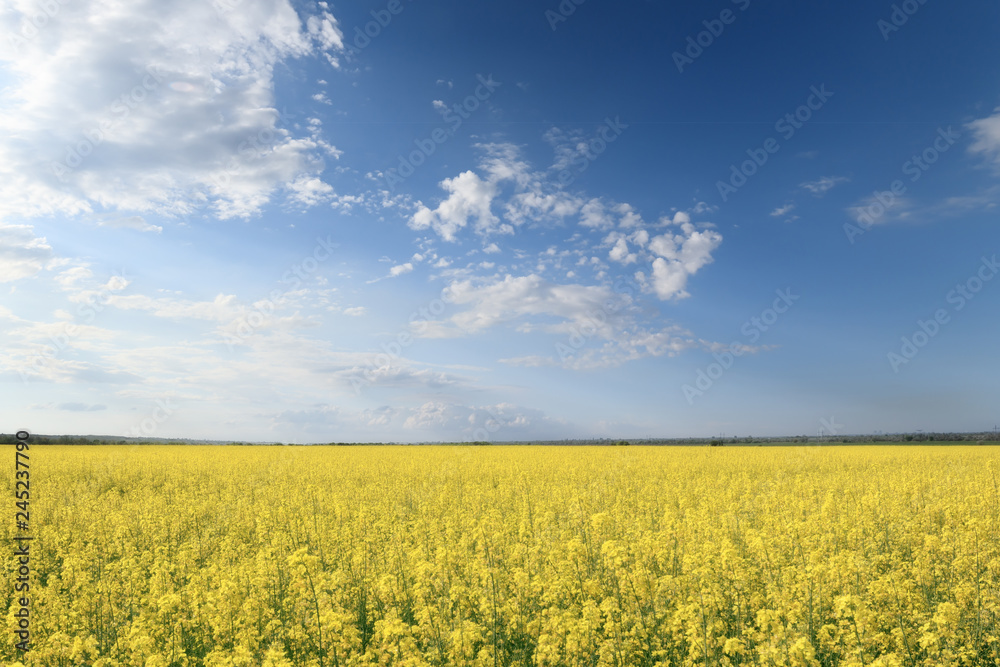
column 406, row 221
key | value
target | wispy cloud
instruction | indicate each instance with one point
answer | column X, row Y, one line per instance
column 821, row 186
column 987, row 136
column 782, row 210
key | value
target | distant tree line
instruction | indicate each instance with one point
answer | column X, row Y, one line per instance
column 985, row 436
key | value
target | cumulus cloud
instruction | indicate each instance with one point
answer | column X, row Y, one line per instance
column 470, row 197
column 619, row 253
column 309, row 191
column 671, row 257
column 504, row 195
column 593, row 214
column 680, row 256
column 183, row 117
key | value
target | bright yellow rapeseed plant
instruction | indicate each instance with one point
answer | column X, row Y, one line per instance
column 341, row 556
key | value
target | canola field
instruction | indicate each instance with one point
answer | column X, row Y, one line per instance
column 336, row 556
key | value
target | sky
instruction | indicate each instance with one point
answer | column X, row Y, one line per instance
column 390, row 220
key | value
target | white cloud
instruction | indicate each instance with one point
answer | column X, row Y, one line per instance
column 67, row 279
column 356, row 311
column 669, row 279
column 782, row 210
column 568, row 146
column 136, row 222
column 629, row 343
column 593, row 214
column 511, row 299
column 672, row 257
column 536, row 201
column 325, row 30
column 180, row 118
column 987, row 136
column 400, row 269
column 224, row 308
column 500, row 421
column 870, row 211
column 22, row 254
column 680, row 256
column 472, row 195
column 537, row 207
column 987, row 199
column 820, row 186
column 629, row 217
column 310, row 191
column 619, row 253
column 116, row 283
column 471, row 198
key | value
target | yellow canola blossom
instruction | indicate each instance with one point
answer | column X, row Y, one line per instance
column 487, row 556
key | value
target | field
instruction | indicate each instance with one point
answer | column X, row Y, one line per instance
column 282, row 556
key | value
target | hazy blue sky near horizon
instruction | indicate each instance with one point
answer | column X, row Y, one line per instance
column 412, row 221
